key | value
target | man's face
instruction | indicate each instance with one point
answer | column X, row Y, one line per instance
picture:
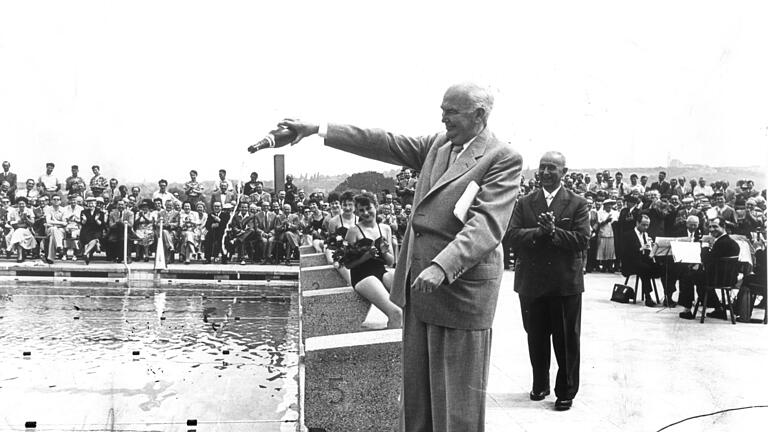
column 619, row 176
column 275, row 207
column 662, row 176
column 692, row 225
column 407, row 209
column 633, row 180
column 398, row 208
column 56, row 201
column 192, row 175
column 673, row 182
column 348, row 206
column 223, row 187
column 551, row 170
column 335, row 206
column 702, row 182
column 288, row 179
column 643, row 224
column 95, row 170
column 222, row 174
column 162, row 185
column 92, row 204
column 48, row 169
column 461, row 119
column 113, row 184
column 720, row 201
column 135, row 191
column 715, row 229
column 254, row 177
column 186, row 207
column 169, row 205
column 22, row 205
column 281, row 195
column 5, row 186
column 313, row 206
column 6, row 166
column 265, row 207
column 216, row 207
column 287, row 209
column 132, row 200
column 674, row 200
column 599, row 177
column 120, row 205
column 643, row 180
column 75, row 171
column 259, row 188
column 590, row 203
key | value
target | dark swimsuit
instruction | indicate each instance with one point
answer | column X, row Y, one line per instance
column 374, row 266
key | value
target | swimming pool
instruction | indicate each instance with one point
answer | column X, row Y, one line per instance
column 195, row 358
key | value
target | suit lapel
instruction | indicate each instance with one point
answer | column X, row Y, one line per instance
column 539, row 203
column 558, row 203
column 441, row 161
column 462, row 164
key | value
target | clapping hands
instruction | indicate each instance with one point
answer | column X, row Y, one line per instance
column 546, row 222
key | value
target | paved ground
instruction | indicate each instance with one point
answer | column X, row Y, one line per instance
column 641, row 370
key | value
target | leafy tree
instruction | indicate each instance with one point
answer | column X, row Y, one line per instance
column 371, row 181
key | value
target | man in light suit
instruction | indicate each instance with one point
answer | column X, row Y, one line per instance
column 449, row 274
column 550, row 230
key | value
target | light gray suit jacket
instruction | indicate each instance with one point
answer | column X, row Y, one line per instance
column 469, row 253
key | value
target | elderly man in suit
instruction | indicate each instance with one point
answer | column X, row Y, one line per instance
column 550, row 230
column 451, row 261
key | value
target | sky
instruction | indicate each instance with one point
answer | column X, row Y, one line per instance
column 151, row 89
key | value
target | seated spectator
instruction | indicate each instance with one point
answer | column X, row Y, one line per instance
column 31, row 192
column 169, row 227
column 112, row 191
column 258, row 194
column 5, row 226
column 290, row 228
column 223, row 195
column 316, row 231
column 369, row 274
column 721, row 246
column 201, row 231
column 55, row 224
column 21, row 238
column 144, row 228
column 702, row 189
column 215, row 225
column 242, row 229
column 119, row 218
column 92, row 222
column 188, row 226
column 98, row 182
column 72, row 229
column 266, row 239
column 754, row 219
column 6, row 192
column 723, row 210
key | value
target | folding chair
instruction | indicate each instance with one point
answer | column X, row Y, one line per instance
column 721, row 275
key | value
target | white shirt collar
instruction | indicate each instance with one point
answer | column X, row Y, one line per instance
column 464, row 148
column 548, row 195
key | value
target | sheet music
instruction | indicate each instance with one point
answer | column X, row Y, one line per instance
column 686, row 252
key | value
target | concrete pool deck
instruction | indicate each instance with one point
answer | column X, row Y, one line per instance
column 641, row 369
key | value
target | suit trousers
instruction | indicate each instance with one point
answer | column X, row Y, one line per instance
column 560, row 318
column 445, row 373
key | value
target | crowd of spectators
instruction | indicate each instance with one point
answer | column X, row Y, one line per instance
column 624, row 215
column 76, row 219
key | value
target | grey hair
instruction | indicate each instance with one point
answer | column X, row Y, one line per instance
column 479, row 96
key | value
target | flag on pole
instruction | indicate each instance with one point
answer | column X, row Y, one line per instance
column 160, row 252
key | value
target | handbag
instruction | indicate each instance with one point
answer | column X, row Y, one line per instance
column 622, row 293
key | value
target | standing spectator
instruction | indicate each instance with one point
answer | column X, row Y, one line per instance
column 702, row 189
column 621, row 187
column 406, row 187
column 676, row 188
column 606, row 252
column 30, row 192
column 634, row 186
column 724, row 211
column 75, row 185
column 98, row 182
column 135, row 193
column 662, row 185
column 48, row 183
column 290, row 192
column 550, row 230
column 193, row 189
column 250, row 187
column 112, row 191
column 163, row 193
column 223, row 178
column 7, row 175
column 280, row 199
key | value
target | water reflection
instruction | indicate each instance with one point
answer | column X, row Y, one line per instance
column 142, row 355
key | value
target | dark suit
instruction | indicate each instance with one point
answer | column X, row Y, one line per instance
column 446, row 332
column 662, row 187
column 11, row 179
column 215, row 233
column 634, row 261
column 723, row 247
column 549, row 280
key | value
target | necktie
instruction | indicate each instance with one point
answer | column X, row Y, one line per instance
column 645, row 242
column 455, row 150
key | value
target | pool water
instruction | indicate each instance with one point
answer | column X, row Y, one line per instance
column 122, row 359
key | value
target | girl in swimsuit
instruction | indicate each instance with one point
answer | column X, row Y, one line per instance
column 370, row 277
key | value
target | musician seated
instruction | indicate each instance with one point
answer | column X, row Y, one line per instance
column 721, row 245
column 636, row 258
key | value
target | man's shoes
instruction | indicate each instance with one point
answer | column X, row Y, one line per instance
column 668, row 302
column 563, row 404
column 717, row 313
column 649, row 302
column 686, row 314
column 538, row 395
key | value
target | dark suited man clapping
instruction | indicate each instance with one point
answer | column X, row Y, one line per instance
column 549, row 231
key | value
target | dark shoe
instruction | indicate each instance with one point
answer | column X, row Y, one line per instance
column 717, row 313
column 668, row 302
column 538, row 395
column 563, row 404
column 686, row 314
column 649, row 302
